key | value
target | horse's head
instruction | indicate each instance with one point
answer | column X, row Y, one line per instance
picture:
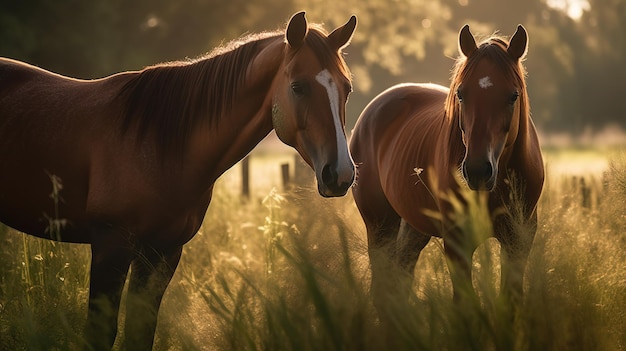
column 490, row 99
column 308, row 107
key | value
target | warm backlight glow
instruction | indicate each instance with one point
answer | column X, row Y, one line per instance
column 573, row 8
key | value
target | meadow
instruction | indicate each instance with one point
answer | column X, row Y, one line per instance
column 288, row 270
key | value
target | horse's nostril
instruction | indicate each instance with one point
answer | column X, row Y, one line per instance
column 488, row 170
column 327, row 175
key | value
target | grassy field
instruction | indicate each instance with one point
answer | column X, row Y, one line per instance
column 289, row 271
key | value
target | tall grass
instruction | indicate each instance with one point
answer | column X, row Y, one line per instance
column 290, row 272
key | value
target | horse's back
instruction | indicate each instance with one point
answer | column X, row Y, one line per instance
column 49, row 125
column 20, row 79
column 12, row 73
column 54, row 127
column 393, row 111
column 396, row 133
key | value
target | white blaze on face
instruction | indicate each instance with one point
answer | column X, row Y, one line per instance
column 485, row 82
column 344, row 162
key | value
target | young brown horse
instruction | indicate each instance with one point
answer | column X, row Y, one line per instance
column 138, row 153
column 481, row 128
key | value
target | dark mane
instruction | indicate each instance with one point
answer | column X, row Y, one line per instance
column 493, row 49
column 171, row 98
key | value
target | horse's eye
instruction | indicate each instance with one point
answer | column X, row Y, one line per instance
column 348, row 88
column 298, row 88
column 459, row 95
column 514, row 98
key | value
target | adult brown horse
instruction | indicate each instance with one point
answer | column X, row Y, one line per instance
column 138, row 153
column 480, row 128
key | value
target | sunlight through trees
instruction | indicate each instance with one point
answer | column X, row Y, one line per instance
column 574, row 62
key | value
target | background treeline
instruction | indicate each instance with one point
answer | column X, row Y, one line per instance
column 576, row 64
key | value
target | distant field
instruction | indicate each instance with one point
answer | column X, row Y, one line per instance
column 579, row 161
column 289, row 271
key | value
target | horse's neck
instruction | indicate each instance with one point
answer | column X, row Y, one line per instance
column 250, row 119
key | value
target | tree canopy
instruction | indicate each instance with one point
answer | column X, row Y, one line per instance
column 575, row 63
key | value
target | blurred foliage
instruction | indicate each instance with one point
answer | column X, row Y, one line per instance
column 96, row 38
column 575, row 65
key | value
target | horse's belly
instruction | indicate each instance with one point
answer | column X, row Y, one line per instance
column 32, row 205
column 419, row 214
column 412, row 195
column 46, row 227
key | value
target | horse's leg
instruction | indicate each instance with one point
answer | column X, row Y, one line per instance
column 515, row 242
column 150, row 275
column 381, row 243
column 109, row 266
column 459, row 252
column 409, row 245
column 382, row 224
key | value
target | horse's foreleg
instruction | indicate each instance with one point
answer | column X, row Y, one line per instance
column 515, row 242
column 409, row 245
column 459, row 254
column 109, row 266
column 381, row 239
column 150, row 275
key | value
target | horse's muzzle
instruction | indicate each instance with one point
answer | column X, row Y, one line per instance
column 335, row 181
column 480, row 175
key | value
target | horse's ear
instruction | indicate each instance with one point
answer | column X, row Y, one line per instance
column 467, row 44
column 341, row 36
column 296, row 30
column 518, row 44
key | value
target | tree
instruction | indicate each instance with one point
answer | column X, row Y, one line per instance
column 91, row 39
column 574, row 66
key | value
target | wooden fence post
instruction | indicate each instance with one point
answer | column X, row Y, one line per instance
column 245, row 177
column 284, row 171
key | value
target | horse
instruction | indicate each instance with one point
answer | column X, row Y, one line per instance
column 419, row 147
column 135, row 155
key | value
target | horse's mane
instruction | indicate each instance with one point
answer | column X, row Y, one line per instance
column 493, row 49
column 172, row 98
